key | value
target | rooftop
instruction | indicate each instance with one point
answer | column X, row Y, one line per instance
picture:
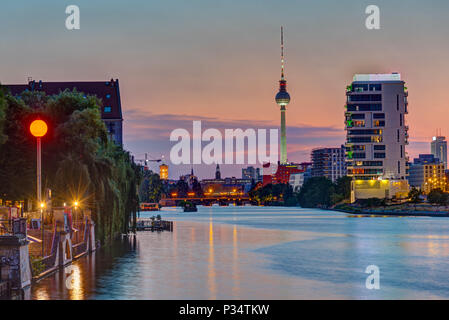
column 378, row 77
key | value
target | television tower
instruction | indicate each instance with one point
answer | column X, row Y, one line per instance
column 282, row 99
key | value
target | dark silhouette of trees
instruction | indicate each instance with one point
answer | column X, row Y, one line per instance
column 79, row 162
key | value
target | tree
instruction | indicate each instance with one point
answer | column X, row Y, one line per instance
column 343, row 187
column 438, row 196
column 3, row 106
column 182, row 188
column 415, row 195
column 79, row 161
column 315, row 192
column 196, row 187
column 279, row 194
column 155, row 188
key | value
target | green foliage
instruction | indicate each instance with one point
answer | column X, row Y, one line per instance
column 79, row 162
column 151, row 188
column 155, row 188
column 317, row 192
column 181, row 188
column 343, row 187
column 371, row 202
column 37, row 266
column 321, row 192
column 274, row 194
column 415, row 195
column 3, row 106
column 438, row 196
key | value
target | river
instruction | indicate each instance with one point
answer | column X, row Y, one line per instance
column 264, row 253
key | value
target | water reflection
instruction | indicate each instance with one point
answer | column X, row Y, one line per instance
column 264, row 253
column 211, row 267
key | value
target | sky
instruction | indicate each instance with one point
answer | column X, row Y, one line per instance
column 218, row 62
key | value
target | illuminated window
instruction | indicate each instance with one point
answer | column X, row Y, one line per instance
column 107, row 109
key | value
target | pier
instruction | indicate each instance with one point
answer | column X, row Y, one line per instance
column 148, row 224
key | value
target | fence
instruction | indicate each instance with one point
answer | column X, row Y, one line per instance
column 5, row 289
column 13, row 227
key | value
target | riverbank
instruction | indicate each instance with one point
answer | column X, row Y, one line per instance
column 406, row 209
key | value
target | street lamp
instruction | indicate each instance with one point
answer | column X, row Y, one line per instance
column 42, row 205
column 75, row 216
column 38, row 128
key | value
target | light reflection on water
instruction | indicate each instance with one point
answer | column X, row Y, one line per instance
column 264, row 253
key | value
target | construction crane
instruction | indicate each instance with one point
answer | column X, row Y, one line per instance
column 145, row 161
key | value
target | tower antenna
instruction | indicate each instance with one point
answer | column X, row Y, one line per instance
column 282, row 53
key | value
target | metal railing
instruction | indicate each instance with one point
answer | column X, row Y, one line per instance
column 17, row 227
column 5, row 289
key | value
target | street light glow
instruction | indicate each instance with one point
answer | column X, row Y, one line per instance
column 38, row 128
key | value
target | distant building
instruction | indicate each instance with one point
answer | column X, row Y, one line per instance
column 329, row 163
column 163, row 172
column 376, row 135
column 217, row 172
column 107, row 91
column 427, row 173
column 282, row 174
column 426, row 159
column 438, row 147
column 251, row 173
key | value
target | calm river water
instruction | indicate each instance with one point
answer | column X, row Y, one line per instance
column 265, row 253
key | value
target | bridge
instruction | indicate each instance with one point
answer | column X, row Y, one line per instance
column 208, row 200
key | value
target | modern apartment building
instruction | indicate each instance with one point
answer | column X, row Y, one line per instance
column 329, row 163
column 438, row 147
column 376, row 133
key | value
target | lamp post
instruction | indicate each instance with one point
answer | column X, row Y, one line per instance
column 38, row 129
column 75, row 216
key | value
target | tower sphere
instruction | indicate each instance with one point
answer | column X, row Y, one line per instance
column 282, row 98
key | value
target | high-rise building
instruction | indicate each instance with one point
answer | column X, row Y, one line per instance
column 377, row 134
column 251, row 173
column 427, row 173
column 107, row 91
column 329, row 163
column 283, row 99
column 438, row 147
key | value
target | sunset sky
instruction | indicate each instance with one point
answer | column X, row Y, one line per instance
column 218, row 61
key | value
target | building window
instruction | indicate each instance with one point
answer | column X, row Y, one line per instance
column 379, row 147
column 358, row 116
column 359, row 155
column 398, row 135
column 379, row 123
column 108, row 96
column 399, row 167
column 107, row 109
column 359, row 87
column 379, row 155
column 397, row 102
column 365, row 97
column 379, row 116
column 400, row 120
column 365, row 132
column 375, row 87
column 365, row 107
column 402, row 151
